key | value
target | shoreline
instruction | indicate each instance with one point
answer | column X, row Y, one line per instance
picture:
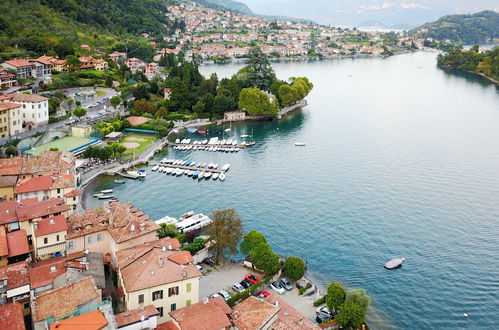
column 490, row 79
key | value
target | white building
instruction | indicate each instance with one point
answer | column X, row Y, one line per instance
column 35, row 108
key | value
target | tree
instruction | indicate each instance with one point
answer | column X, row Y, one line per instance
column 350, row 315
column 11, row 151
column 141, row 92
column 287, row 95
column 109, row 81
column 260, row 74
column 143, row 106
column 256, row 102
column 162, row 112
column 225, row 232
column 360, row 297
column 336, row 295
column 264, row 259
column 251, row 240
column 294, row 268
column 72, row 62
column 115, row 101
column 79, row 112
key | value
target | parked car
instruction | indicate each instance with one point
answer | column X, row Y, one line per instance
column 321, row 319
column 237, row 287
column 325, row 312
column 286, row 284
column 262, row 294
column 245, row 283
column 209, row 262
column 201, row 269
column 215, row 295
column 251, row 278
column 276, row 286
column 224, row 294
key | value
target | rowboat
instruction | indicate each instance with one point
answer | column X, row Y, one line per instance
column 394, row 263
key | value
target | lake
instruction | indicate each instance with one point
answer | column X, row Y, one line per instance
column 401, row 160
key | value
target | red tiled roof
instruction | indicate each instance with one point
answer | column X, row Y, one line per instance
column 45, row 274
column 253, row 313
column 8, row 212
column 19, row 63
column 90, row 321
column 137, row 120
column 18, row 243
column 12, row 317
column 17, row 274
column 51, row 225
column 170, row 325
column 8, row 181
column 135, row 315
column 41, row 60
column 65, row 299
column 9, row 105
column 201, row 316
column 33, row 208
column 44, row 182
column 289, row 318
column 4, row 247
column 49, row 162
column 11, row 166
column 181, row 258
column 73, row 193
column 28, row 98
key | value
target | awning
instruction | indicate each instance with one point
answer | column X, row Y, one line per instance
column 61, row 247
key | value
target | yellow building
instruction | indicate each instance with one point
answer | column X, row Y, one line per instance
column 157, row 274
column 7, row 186
column 49, row 237
column 81, row 130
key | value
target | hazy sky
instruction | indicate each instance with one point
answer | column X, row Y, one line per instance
column 354, row 12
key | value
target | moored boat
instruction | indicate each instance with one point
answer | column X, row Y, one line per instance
column 106, row 196
column 215, row 176
column 221, row 177
column 119, row 181
column 394, row 263
column 107, row 191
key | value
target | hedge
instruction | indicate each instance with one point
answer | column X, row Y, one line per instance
column 248, row 292
column 320, row 301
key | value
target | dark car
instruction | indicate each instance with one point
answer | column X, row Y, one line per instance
column 321, row 319
column 209, row 262
column 245, row 283
column 286, row 284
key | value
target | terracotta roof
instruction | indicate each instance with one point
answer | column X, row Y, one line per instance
column 153, row 268
column 49, row 162
column 44, row 182
column 202, row 316
column 18, row 243
column 41, row 60
column 134, row 315
column 73, row 193
column 181, row 258
column 8, row 181
column 45, row 274
column 28, row 98
column 19, row 63
column 90, row 321
column 11, row 166
column 9, row 105
column 170, row 325
column 12, row 317
column 129, row 255
column 8, row 212
column 47, row 58
column 4, row 247
column 253, row 313
column 117, row 219
column 33, row 208
column 17, row 274
column 289, row 318
column 65, row 299
column 51, row 225
column 137, row 120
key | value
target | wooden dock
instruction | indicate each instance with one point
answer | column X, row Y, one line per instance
column 206, row 146
column 193, row 168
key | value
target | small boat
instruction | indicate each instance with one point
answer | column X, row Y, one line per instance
column 139, row 173
column 115, row 199
column 193, row 163
column 98, row 195
column 192, row 130
column 195, row 174
column 221, row 177
column 226, row 167
column 180, row 172
column 107, row 191
column 106, row 196
column 202, row 165
column 300, row 144
column 189, row 173
column 244, row 135
column 215, row 176
column 215, row 165
column 169, row 170
column 201, row 175
column 119, row 181
column 188, row 163
column 394, row 263
column 207, row 175
column 227, row 130
column 155, row 168
column 201, row 131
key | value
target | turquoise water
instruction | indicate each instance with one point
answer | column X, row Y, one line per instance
column 402, row 160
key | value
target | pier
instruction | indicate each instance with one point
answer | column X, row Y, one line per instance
column 193, row 168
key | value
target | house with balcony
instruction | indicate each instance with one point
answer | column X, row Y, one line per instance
column 15, row 285
column 49, row 237
column 135, row 64
column 23, row 68
column 157, row 274
column 7, row 79
column 45, row 187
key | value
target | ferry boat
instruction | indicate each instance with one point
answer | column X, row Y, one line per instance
column 187, row 222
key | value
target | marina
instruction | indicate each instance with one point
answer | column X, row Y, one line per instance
column 179, row 167
column 213, row 144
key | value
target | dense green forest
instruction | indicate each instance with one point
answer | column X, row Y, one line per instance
column 473, row 60
column 226, row 5
column 60, row 26
column 477, row 28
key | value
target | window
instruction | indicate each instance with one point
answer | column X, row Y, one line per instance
column 188, row 302
column 157, row 295
column 188, row 287
column 160, row 310
column 173, row 291
column 26, row 305
column 57, row 238
column 91, row 239
column 141, row 298
column 58, row 190
column 70, row 245
column 45, row 240
column 99, row 237
column 173, row 307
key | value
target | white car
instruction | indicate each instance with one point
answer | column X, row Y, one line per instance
column 238, row 287
column 276, row 286
column 224, row 294
column 325, row 312
column 201, row 269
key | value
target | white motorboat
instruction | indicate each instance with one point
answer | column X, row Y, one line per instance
column 394, row 263
column 237, row 149
column 202, row 165
column 155, row 168
column 180, row 172
column 229, row 141
column 106, row 191
column 169, row 170
column 221, row 177
column 106, row 196
column 201, row 175
column 210, row 165
column 193, row 163
column 215, row 176
column 139, row 173
column 189, row 173
column 244, row 135
column 226, row 167
column 207, row 175
column 98, row 195
column 177, row 141
column 215, row 165
column 300, row 144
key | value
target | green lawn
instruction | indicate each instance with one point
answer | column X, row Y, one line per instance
column 144, row 142
column 63, row 144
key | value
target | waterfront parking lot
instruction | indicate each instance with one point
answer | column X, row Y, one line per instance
column 222, row 278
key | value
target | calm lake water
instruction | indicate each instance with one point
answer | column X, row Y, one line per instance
column 402, row 160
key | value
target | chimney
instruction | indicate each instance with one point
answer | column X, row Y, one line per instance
column 35, row 225
column 184, row 271
column 170, row 246
column 161, row 262
column 276, row 303
column 163, row 248
column 132, row 227
column 205, row 300
column 235, row 315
